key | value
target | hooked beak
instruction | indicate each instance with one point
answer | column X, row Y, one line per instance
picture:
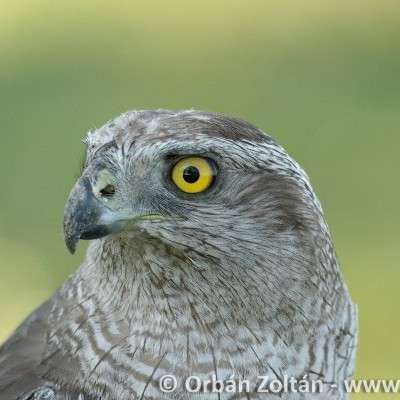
column 85, row 216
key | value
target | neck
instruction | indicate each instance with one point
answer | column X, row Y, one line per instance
column 182, row 290
column 166, row 309
column 156, row 286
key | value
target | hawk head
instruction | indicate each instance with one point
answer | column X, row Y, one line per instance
column 205, row 228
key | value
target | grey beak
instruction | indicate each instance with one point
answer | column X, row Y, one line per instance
column 82, row 214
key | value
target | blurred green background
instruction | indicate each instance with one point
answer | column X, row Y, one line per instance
column 323, row 78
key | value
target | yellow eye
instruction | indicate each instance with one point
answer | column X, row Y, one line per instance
column 194, row 174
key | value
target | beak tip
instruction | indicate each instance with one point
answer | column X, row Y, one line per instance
column 71, row 244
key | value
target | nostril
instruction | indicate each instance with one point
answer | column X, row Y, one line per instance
column 108, row 191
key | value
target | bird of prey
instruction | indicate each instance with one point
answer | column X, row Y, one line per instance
column 210, row 259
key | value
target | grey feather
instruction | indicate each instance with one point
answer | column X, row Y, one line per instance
column 238, row 280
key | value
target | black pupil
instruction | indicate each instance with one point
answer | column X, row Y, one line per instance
column 191, row 174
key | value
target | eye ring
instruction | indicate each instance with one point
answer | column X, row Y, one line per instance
column 194, row 174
